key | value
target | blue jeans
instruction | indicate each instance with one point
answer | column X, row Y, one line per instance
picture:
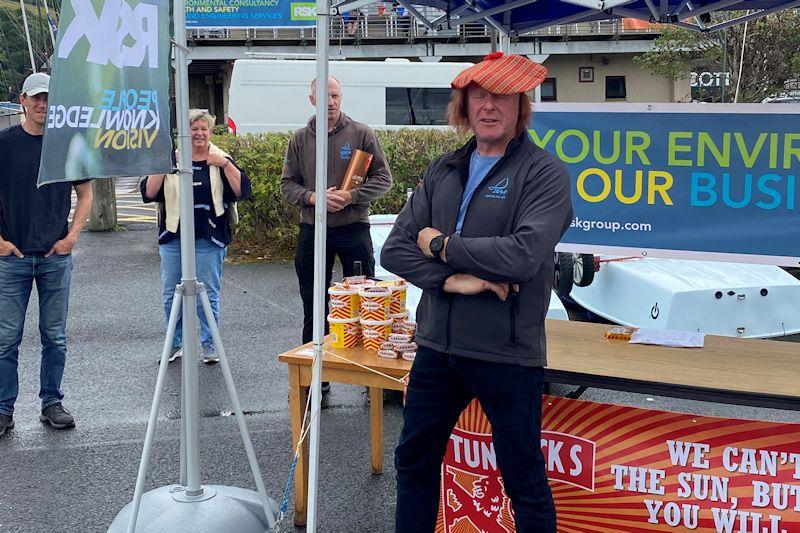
column 52, row 277
column 440, row 387
column 209, row 259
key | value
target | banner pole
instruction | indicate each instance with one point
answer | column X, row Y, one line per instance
column 27, row 33
column 50, row 23
column 192, row 507
column 320, row 236
column 191, row 414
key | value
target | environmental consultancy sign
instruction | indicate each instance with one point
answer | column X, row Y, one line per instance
column 249, row 13
column 666, row 181
column 108, row 110
column 622, row 469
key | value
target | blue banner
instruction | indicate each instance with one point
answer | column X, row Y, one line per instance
column 720, row 181
column 249, row 13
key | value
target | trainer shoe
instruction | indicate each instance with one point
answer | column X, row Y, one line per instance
column 175, row 353
column 6, row 423
column 57, row 416
column 210, row 356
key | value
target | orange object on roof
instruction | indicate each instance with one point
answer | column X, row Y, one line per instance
column 636, row 24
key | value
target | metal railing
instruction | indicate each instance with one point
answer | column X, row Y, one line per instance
column 389, row 25
column 10, row 114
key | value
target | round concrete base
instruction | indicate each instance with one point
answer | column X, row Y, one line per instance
column 219, row 508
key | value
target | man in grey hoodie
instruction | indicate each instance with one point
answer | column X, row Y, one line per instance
column 348, row 211
column 478, row 237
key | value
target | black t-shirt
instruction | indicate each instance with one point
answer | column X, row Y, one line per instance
column 32, row 219
column 207, row 225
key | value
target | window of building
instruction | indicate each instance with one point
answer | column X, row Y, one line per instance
column 615, row 87
column 549, row 90
column 414, row 106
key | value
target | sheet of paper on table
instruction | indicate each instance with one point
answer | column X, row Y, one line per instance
column 668, row 337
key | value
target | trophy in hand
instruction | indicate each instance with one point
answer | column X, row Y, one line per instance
column 357, row 170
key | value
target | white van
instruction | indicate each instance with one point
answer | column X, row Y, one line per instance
column 272, row 95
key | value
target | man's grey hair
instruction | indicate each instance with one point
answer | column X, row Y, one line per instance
column 202, row 114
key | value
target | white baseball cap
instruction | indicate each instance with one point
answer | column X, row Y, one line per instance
column 36, row 83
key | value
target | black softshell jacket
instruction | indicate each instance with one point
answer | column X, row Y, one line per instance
column 513, row 222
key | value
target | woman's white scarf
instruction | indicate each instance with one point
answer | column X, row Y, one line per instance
column 172, row 193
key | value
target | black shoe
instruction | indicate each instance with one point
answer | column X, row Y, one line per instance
column 326, row 387
column 57, row 416
column 6, row 423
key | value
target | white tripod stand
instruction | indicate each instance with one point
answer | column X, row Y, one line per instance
column 191, row 507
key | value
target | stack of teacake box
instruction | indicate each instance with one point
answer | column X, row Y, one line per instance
column 363, row 310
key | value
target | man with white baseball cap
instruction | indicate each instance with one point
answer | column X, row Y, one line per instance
column 36, row 242
column 36, row 83
column 478, row 237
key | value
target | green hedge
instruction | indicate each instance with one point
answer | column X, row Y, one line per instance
column 268, row 225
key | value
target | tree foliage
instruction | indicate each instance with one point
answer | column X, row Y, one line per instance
column 269, row 225
column 771, row 53
column 14, row 58
column 678, row 47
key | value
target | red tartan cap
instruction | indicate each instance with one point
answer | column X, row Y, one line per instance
column 502, row 74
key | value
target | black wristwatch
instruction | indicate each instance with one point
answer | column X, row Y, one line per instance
column 436, row 245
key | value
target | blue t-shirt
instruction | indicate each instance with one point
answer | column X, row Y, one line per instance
column 479, row 167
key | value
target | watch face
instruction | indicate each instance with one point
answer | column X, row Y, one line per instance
column 436, row 244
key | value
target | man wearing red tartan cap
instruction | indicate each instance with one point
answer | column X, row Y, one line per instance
column 478, row 237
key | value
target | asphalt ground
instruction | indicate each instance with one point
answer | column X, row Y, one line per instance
column 130, row 208
column 77, row 480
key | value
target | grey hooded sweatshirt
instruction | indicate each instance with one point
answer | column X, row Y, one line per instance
column 512, row 224
column 299, row 170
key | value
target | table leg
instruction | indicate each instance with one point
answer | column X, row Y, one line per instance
column 376, row 428
column 297, row 405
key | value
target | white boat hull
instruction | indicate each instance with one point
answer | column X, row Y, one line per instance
column 730, row 299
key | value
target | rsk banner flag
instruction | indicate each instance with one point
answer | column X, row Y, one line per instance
column 621, row 469
column 108, row 112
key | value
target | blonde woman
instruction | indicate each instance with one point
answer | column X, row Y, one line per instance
column 218, row 183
